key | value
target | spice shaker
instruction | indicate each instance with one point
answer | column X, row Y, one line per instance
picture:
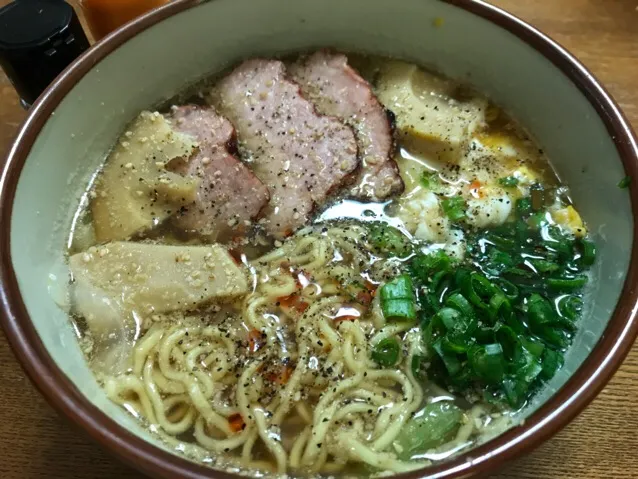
column 38, row 39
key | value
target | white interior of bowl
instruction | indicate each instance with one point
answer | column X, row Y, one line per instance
column 205, row 39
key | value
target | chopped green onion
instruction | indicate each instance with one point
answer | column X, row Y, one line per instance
column 430, row 427
column 509, row 288
column 439, row 280
column 458, row 302
column 430, row 179
column 462, row 335
column 502, row 242
column 488, row 362
column 534, row 346
column 554, row 336
column 552, row 362
column 499, row 306
column 397, row 298
column 509, row 181
column 501, row 321
column 625, row 182
column 417, row 361
column 424, row 266
column 508, row 340
column 454, row 208
column 386, row 238
column 457, row 344
column 537, row 220
column 450, row 360
column 521, row 231
column 505, row 259
column 539, row 311
column 569, row 307
column 567, row 284
column 527, row 366
column 400, row 287
column 476, row 288
column 589, row 252
column 448, row 317
column 398, row 309
column 485, row 334
column 386, row 352
column 543, row 266
column 515, row 392
column 523, row 207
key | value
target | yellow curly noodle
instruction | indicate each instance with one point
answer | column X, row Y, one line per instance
column 336, row 407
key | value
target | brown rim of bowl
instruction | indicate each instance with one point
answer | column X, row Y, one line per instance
column 580, row 389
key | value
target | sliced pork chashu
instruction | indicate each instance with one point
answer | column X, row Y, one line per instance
column 229, row 194
column 337, row 89
column 299, row 154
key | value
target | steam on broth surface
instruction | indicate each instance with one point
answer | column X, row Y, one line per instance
column 285, row 278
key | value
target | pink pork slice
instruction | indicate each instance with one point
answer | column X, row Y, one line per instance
column 230, row 195
column 338, row 90
column 299, row 154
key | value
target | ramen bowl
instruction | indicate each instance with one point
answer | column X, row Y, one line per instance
column 78, row 118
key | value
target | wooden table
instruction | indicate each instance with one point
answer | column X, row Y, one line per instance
column 602, row 443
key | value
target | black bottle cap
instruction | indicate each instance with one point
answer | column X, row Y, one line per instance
column 38, row 39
